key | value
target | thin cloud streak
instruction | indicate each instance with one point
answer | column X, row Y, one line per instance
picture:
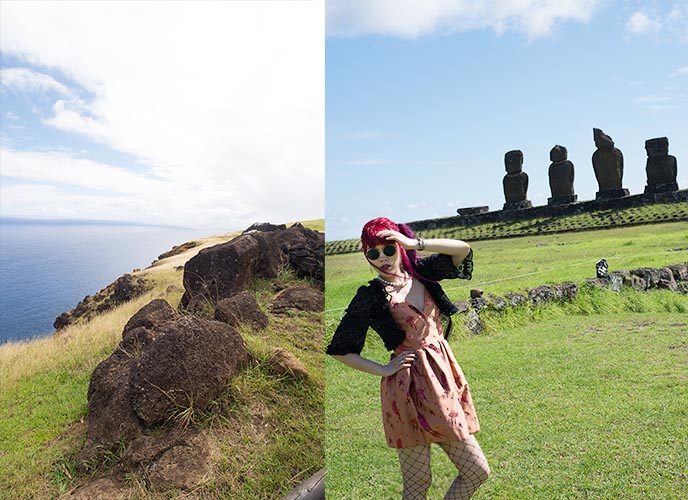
column 417, row 18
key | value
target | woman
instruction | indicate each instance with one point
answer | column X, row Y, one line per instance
column 425, row 397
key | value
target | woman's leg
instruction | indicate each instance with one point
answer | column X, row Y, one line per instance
column 415, row 471
column 472, row 465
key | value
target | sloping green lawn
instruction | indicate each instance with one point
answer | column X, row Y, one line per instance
column 584, row 407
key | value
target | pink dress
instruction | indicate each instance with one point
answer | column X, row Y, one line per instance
column 429, row 402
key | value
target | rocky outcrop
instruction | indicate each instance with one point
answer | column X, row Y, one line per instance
column 122, row 290
column 187, row 366
column 283, row 362
column 163, row 363
column 241, row 309
column 224, row 270
column 177, row 250
column 306, row 251
column 674, row 278
column 302, row 298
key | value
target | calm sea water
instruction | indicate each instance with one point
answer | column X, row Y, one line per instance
column 46, row 269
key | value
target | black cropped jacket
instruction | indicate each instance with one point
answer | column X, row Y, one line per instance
column 370, row 306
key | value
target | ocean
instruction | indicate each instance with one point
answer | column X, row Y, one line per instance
column 47, row 268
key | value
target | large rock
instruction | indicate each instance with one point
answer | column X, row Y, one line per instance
column 111, row 416
column 283, row 362
column 174, row 460
column 224, row 270
column 241, row 309
column 99, row 489
column 188, row 365
column 306, row 251
column 302, row 298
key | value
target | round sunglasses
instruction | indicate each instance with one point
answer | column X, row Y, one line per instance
column 388, row 250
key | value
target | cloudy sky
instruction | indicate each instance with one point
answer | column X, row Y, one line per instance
column 195, row 114
column 425, row 97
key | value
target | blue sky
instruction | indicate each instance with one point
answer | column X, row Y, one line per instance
column 424, row 98
column 197, row 114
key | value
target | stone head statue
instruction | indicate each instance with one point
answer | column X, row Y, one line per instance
column 657, row 147
column 558, row 153
column 513, row 160
column 602, row 140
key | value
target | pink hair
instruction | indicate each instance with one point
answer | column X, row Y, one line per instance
column 370, row 238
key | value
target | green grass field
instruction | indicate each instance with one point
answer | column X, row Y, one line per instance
column 576, row 401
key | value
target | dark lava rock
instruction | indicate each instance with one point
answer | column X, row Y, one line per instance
column 175, row 460
column 515, row 299
column 99, row 489
column 151, row 316
column 680, row 272
column 302, row 298
column 265, row 227
column 283, row 362
column 475, row 323
column 462, row 305
column 565, row 291
column 178, row 249
column 224, row 270
column 188, row 365
column 110, row 415
column 241, row 308
column 306, row 251
column 128, row 287
column 541, row 294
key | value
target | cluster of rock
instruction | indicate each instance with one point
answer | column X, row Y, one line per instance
column 177, row 250
column 561, row 292
column 170, row 364
column 608, row 164
column 124, row 289
column 674, row 278
column 224, row 270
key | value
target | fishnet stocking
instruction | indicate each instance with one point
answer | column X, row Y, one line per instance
column 472, row 466
column 466, row 456
column 415, row 471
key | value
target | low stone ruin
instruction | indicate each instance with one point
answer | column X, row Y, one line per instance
column 540, row 295
column 674, row 278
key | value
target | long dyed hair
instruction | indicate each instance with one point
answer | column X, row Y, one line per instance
column 369, row 239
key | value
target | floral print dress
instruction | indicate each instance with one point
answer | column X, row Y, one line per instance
column 429, row 402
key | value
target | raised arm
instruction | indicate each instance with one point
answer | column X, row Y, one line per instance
column 458, row 249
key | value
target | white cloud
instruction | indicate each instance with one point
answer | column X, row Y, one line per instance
column 224, row 100
column 27, row 80
column 659, row 23
column 415, row 18
column 680, row 71
column 639, row 23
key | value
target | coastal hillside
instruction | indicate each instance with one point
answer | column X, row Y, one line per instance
column 258, row 437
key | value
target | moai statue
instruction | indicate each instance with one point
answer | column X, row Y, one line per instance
column 607, row 162
column 661, row 167
column 515, row 182
column 561, row 177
